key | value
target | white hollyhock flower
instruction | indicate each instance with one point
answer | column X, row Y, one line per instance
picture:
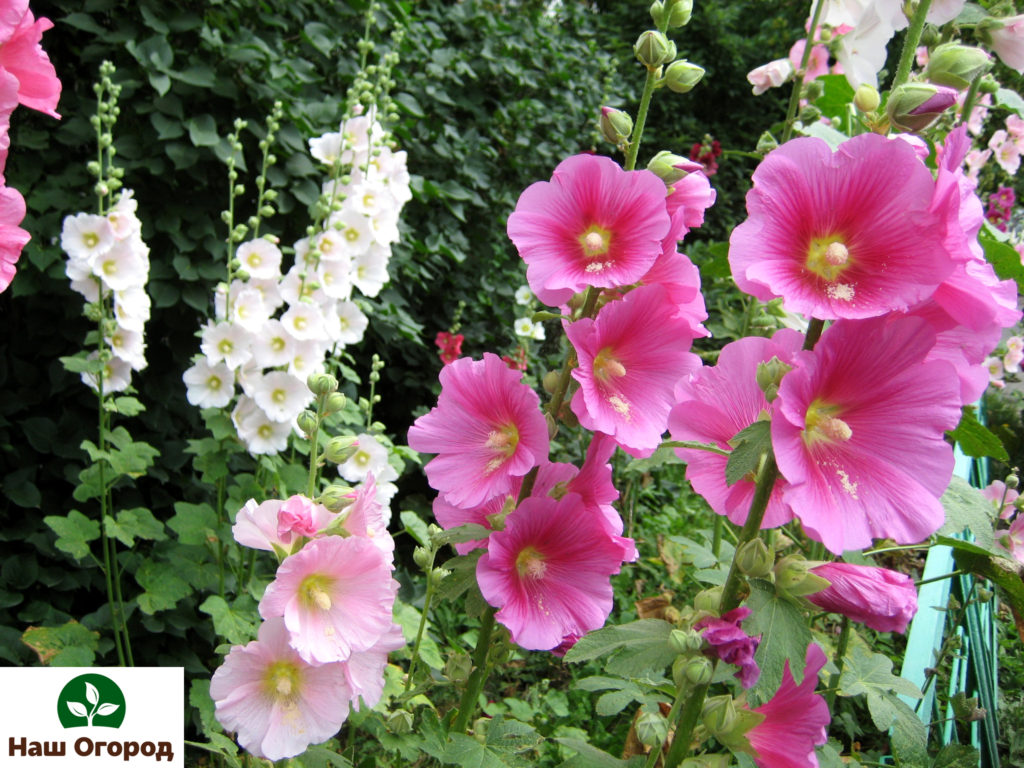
column 333, row 278
column 538, row 332
column 370, row 271
column 228, row 342
column 273, row 346
column 249, row 311
column 260, row 434
column 85, row 236
column 296, row 289
column 524, row 296
column 331, row 246
column 307, row 358
column 304, row 321
column 280, row 395
column 270, row 291
column 123, row 221
column 370, row 198
column 131, row 308
column 326, row 148
column 523, row 326
column 351, row 323
column 356, row 232
column 117, row 375
column 83, row 281
column 122, row 266
column 209, row 386
column 130, row 346
column 370, row 456
column 260, row 258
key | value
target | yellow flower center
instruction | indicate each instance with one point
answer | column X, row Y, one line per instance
column 213, row 382
column 351, row 234
column 595, row 241
column 279, row 396
column 828, row 257
column 277, row 344
column 530, row 564
column 502, row 442
column 822, row 424
column 91, row 239
column 313, row 591
column 606, row 366
column 283, row 680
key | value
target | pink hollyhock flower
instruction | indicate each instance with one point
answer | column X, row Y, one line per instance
column 486, row 429
column 846, row 234
column 278, row 703
column 731, row 644
column 1001, row 497
column 22, row 57
column 707, row 153
column 795, row 720
column 366, row 517
column 364, row 670
column 1008, row 41
column 680, row 278
column 859, row 433
column 280, row 524
column 1007, row 153
column 548, row 572
column 879, row 598
column 716, row 403
column 630, row 358
column 336, row 597
column 12, row 237
column 817, row 63
column 689, row 197
column 298, row 515
column 770, row 75
column 593, row 224
column 1012, row 540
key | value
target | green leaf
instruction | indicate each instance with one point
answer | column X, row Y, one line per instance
column 967, row 509
column 415, row 526
column 320, row 757
column 749, row 447
column 69, row 645
column 976, row 440
column 79, row 364
column 408, row 618
column 504, row 741
column 128, row 406
column 462, row 576
column 830, row 135
column 194, row 523
column 589, row 756
column 163, row 586
column 463, row 533
column 19, row 487
column 134, row 523
column 74, row 532
column 199, row 76
column 1002, row 256
column 199, row 698
column 620, row 693
column 664, row 455
column 202, row 130
column 1008, row 575
column 637, row 647
column 870, row 674
column 837, row 97
column 235, row 623
column 1010, row 99
column 784, row 636
column 956, row 756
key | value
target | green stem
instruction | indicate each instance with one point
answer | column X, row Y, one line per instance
column 766, row 477
column 686, row 722
column 709, row 447
column 939, row 578
column 641, row 119
column 314, row 458
column 716, row 541
column 814, row 329
column 220, row 544
column 969, row 99
column 798, row 83
column 844, row 641
column 427, row 598
column 481, row 669
column 910, row 44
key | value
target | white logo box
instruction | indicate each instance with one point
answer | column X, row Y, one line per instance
column 31, row 733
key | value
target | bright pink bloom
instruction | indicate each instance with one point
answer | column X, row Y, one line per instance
column 817, row 63
column 276, row 702
column 859, row 433
column 795, row 720
column 1008, row 41
column 845, row 234
column 449, row 346
column 593, row 224
column 22, row 56
column 269, row 524
column 549, row 571
column 1012, row 540
column 486, row 429
column 1001, row 497
column 336, row 596
column 879, row 598
column 731, row 644
column 690, row 196
column 630, row 359
column 12, row 237
column 714, row 404
column 366, row 517
column 680, row 278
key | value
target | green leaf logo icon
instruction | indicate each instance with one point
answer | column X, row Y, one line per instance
column 91, row 700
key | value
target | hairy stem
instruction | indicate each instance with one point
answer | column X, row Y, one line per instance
column 481, row 669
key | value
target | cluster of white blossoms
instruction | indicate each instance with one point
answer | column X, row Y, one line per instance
column 108, row 261
column 524, row 326
column 273, row 329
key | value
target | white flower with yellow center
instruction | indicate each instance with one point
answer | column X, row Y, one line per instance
column 209, row 386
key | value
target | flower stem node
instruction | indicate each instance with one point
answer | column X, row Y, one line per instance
column 866, row 98
column 913, row 107
column 664, row 165
column 322, row 384
column 956, row 65
column 616, row 125
column 654, row 49
column 651, row 729
column 681, row 76
column 794, row 578
column 755, row 559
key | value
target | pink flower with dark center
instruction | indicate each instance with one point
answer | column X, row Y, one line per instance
column 486, row 429
column 716, row 403
column 879, row 598
column 630, row 359
column 22, row 57
column 859, row 433
column 549, row 571
column 336, row 596
column 731, row 644
column 593, row 224
column 795, row 720
column 847, row 234
column 278, row 703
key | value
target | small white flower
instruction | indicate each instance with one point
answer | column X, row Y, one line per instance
column 307, row 358
column 356, row 233
column 130, row 346
column 85, row 236
column 249, row 311
column 131, row 308
column 260, row 258
column 370, row 271
column 209, row 386
column 523, row 326
column 122, row 266
column 537, row 334
column 333, row 277
column 117, row 375
column 260, row 434
column 326, row 148
column 304, row 322
column 524, row 296
column 123, row 221
column 370, row 456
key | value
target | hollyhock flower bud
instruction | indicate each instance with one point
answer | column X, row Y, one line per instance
column 679, row 13
column 755, row 559
column 685, row 641
column 708, row 599
column 729, row 643
column 770, row 75
column 681, row 76
column 689, row 672
column 793, row 577
column 653, row 49
column 879, row 598
column 616, row 126
column 957, row 65
column 668, row 167
column 335, row 497
column 866, row 98
column 914, row 106
column 322, row 383
column 651, row 729
column 341, row 448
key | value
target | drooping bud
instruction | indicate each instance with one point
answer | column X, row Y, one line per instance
column 755, row 559
column 793, row 577
column 913, row 107
column 681, row 76
column 956, row 65
column 616, row 125
column 664, row 166
column 651, row 729
column 679, row 13
column 321, row 383
column 653, row 49
column 769, row 377
column 341, row 448
column 866, row 98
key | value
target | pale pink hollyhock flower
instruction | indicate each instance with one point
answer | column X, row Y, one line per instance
column 1012, row 360
column 276, row 702
column 770, row 75
column 336, row 596
column 942, row 11
column 228, row 342
column 366, row 517
column 593, row 224
column 1007, row 152
column 859, row 433
column 1012, row 540
column 817, row 63
column 994, row 366
column 1001, row 497
column 370, row 457
column 299, row 516
column 486, row 429
column 795, row 719
column 280, row 524
column 976, row 160
column 1008, row 41
column 845, row 234
column 364, row 670
column 22, row 56
column 716, row 403
column 731, row 644
column 548, row 572
column 280, row 395
column 630, row 358
column 879, row 598
column 12, row 237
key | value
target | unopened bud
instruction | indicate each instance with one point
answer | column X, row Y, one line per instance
column 719, row 714
column 956, row 65
column 336, row 497
column 679, row 13
column 697, row 671
column 335, row 402
column 307, row 422
column 657, row 10
column 422, row 558
column 866, row 98
column 400, row 722
column 685, row 641
column 663, row 165
column 653, row 49
column 1012, row 481
column 341, row 448
column 321, row 383
column 550, row 381
column 984, row 595
column 769, row 376
column 681, row 76
column 708, row 600
column 616, row 125
column 755, row 559
column 809, row 114
column 988, row 84
column 651, row 729
column 458, row 667
column 814, row 90
column 766, row 143
column 913, row 107
column 793, row 577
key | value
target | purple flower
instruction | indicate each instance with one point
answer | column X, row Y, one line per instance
column 731, row 644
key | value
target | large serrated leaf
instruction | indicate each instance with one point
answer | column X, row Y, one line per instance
column 967, row 509
column 976, row 440
column 784, row 637
column 70, row 644
column 871, row 674
column 635, row 647
column 235, row 623
column 74, row 532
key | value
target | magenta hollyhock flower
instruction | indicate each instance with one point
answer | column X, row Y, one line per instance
column 879, row 598
column 22, row 57
column 278, row 703
column 849, row 234
column 680, row 278
column 593, row 224
column 336, row 596
column 859, row 433
column 716, row 403
column 630, row 358
column 731, row 644
column 690, row 196
column 486, row 429
column 549, row 571
column 12, row 237
column 795, row 720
